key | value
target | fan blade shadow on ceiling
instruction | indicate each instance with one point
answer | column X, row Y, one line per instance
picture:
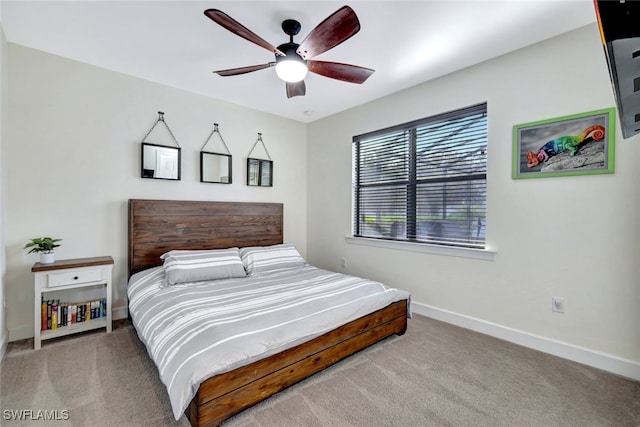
column 344, row 72
column 237, row 28
column 338, row 27
column 244, row 70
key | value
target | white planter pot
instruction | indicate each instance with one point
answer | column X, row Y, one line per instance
column 47, row 257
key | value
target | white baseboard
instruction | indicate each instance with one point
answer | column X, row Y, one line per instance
column 20, row 333
column 4, row 342
column 120, row 312
column 606, row 362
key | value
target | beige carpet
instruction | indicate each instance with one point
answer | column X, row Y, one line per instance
column 435, row 375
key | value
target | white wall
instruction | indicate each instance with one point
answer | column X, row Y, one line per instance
column 74, row 161
column 4, row 335
column 573, row 237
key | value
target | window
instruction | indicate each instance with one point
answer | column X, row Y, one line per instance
column 424, row 181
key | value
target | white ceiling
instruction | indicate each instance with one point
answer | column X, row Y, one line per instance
column 175, row 44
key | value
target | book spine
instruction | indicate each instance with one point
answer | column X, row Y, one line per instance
column 43, row 315
column 54, row 315
column 49, row 313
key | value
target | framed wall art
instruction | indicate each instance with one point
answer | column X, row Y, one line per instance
column 579, row 144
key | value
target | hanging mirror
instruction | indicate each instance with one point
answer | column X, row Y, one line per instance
column 259, row 171
column 160, row 161
column 215, row 167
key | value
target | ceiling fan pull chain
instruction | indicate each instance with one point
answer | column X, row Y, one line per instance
column 215, row 130
column 161, row 119
column 263, row 145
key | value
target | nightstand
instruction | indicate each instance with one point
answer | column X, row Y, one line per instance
column 71, row 274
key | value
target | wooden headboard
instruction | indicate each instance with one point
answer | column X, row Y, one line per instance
column 158, row 226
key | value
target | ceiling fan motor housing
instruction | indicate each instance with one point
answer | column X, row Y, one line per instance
column 289, row 49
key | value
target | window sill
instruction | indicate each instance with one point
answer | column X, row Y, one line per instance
column 481, row 254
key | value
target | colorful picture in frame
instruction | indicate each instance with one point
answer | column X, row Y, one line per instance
column 579, row 144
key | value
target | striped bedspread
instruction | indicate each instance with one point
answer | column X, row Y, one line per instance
column 196, row 330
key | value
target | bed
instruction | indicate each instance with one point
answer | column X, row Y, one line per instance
column 159, row 226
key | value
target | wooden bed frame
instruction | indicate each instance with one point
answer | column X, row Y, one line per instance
column 157, row 226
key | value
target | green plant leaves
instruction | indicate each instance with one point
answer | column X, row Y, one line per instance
column 42, row 244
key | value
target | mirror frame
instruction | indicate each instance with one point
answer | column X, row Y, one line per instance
column 259, row 163
column 228, row 156
column 142, row 169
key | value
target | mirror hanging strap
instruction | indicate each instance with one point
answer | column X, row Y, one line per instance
column 263, row 145
column 216, row 130
column 161, row 119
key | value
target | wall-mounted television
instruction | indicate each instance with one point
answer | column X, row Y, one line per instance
column 619, row 23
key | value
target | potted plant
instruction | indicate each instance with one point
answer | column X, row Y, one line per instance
column 43, row 246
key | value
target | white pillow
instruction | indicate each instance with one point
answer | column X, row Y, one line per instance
column 182, row 266
column 260, row 259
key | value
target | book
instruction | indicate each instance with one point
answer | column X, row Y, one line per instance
column 49, row 304
column 54, row 315
column 43, row 315
column 60, row 315
column 63, row 321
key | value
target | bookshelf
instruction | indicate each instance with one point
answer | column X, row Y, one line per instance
column 81, row 274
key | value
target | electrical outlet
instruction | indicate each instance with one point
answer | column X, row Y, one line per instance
column 557, row 304
column 343, row 262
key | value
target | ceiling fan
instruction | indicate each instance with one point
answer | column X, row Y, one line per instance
column 293, row 60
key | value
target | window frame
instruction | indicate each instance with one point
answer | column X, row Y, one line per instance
column 411, row 241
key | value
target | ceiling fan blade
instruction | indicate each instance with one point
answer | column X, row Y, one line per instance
column 243, row 70
column 338, row 27
column 338, row 71
column 296, row 89
column 237, row 28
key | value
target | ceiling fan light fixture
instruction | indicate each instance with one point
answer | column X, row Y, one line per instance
column 293, row 60
column 291, row 70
